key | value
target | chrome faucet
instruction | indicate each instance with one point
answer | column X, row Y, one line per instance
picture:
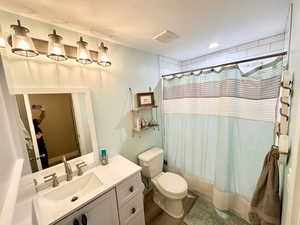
column 79, row 168
column 68, row 169
column 52, row 177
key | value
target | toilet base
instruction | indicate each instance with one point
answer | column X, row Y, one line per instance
column 173, row 207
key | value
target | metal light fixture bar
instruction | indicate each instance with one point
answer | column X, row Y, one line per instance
column 71, row 51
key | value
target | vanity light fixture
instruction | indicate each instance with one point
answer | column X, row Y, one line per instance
column 22, row 44
column 103, row 59
column 83, row 54
column 56, row 49
column 2, row 40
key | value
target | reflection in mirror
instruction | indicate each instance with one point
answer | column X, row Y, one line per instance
column 55, row 125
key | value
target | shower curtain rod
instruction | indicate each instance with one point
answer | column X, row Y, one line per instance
column 227, row 64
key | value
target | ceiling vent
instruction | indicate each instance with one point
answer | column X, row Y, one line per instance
column 165, row 36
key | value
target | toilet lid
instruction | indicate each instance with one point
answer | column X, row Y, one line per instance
column 172, row 184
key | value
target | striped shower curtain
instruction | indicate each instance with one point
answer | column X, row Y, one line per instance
column 219, row 125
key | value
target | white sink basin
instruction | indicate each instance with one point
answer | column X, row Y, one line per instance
column 50, row 204
column 72, row 191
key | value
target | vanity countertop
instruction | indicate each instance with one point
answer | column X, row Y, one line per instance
column 118, row 169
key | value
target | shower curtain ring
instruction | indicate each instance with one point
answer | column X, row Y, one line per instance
column 288, row 86
column 284, row 115
column 277, row 129
column 285, row 101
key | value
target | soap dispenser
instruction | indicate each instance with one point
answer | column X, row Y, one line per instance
column 103, row 157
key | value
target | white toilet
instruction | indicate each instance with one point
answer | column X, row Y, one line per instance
column 169, row 188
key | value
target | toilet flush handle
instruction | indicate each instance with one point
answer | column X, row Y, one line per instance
column 145, row 164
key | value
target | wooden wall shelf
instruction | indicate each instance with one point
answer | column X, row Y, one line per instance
column 144, row 108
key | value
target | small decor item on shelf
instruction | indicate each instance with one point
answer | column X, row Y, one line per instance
column 153, row 123
column 145, row 99
column 138, row 123
column 144, row 123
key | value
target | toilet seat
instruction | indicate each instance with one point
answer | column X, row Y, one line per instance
column 171, row 185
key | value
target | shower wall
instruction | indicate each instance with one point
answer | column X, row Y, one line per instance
column 265, row 46
column 169, row 65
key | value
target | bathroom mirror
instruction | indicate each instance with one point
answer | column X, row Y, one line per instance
column 55, row 125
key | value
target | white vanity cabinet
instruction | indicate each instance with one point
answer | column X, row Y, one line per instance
column 101, row 211
column 122, row 205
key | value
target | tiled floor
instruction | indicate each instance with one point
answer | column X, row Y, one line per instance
column 204, row 213
column 155, row 216
column 201, row 212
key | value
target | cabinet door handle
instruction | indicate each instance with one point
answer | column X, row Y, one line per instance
column 133, row 210
column 131, row 189
column 84, row 219
column 76, row 222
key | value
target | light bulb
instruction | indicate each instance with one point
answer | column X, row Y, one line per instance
column 56, row 50
column 23, row 45
column 104, row 58
column 83, row 55
column 2, row 42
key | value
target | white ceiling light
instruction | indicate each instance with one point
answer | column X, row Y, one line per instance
column 214, row 45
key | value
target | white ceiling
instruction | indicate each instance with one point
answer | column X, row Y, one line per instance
column 134, row 22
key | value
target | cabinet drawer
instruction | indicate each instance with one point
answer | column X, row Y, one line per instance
column 139, row 219
column 129, row 188
column 133, row 208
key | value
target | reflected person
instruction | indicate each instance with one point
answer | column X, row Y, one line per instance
column 39, row 135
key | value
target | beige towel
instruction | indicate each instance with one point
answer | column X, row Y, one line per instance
column 265, row 204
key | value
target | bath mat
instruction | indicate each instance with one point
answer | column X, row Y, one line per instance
column 204, row 213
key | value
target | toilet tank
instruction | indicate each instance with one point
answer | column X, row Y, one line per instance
column 151, row 162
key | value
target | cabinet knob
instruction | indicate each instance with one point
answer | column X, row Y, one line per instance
column 133, row 210
column 84, row 219
column 131, row 189
column 76, row 222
